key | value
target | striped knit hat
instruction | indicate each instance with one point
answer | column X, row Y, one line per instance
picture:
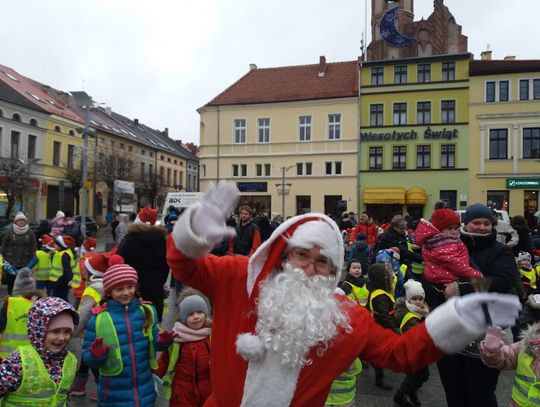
column 118, row 275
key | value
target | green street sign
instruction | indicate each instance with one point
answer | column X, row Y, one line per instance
column 522, row 183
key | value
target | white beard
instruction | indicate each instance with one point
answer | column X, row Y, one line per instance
column 296, row 312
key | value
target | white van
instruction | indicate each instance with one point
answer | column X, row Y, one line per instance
column 501, row 215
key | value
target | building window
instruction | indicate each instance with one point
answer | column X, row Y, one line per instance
column 524, row 89
column 448, row 156
column 531, row 142
column 239, row 131
column 56, row 153
column 130, row 149
column 70, row 156
column 58, row 129
column 490, row 91
column 377, row 75
column 399, row 161
column 498, row 144
column 15, row 141
column 424, row 73
column 175, row 179
column 423, row 156
column 400, row 113
column 168, row 176
column 239, row 170
column 448, row 71
column 448, row 111
column 122, row 147
column 376, row 113
column 143, row 170
column 32, row 140
column 143, row 152
column 305, row 128
column 400, row 74
column 161, row 175
column 16, row 117
column 503, row 91
column 375, row 158
column 536, row 89
column 262, row 170
column 304, row 168
column 498, row 199
column 150, row 170
column 332, row 168
column 264, row 130
column 33, row 123
column 423, row 112
column 334, row 126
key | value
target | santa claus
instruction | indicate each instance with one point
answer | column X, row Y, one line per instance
column 280, row 334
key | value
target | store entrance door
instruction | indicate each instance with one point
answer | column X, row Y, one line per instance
column 530, row 207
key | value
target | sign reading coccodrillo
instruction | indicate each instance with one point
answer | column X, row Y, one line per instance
column 395, row 135
column 522, row 182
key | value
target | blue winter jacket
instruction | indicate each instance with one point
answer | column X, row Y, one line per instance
column 134, row 386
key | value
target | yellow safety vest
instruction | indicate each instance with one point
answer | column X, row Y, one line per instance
column 358, row 294
column 528, row 277
column 343, row 390
column 406, row 318
column 57, row 270
column 105, row 329
column 376, row 293
column 174, row 353
column 526, row 388
column 92, row 293
column 16, row 332
column 42, row 268
column 1, row 267
column 37, row 389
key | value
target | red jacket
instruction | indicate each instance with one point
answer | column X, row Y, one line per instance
column 224, row 280
column 370, row 231
column 191, row 382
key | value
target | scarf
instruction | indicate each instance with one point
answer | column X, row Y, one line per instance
column 186, row 334
column 20, row 230
column 418, row 311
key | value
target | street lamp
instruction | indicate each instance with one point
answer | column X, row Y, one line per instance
column 282, row 185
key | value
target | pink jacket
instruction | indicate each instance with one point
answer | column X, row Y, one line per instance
column 446, row 257
column 58, row 225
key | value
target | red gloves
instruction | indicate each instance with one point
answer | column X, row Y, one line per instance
column 493, row 339
column 98, row 349
column 165, row 337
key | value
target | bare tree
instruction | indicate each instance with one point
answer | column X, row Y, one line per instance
column 15, row 179
column 150, row 186
column 113, row 163
column 74, row 176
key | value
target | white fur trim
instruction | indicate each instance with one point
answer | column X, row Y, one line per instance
column 269, row 383
column 60, row 239
column 186, row 240
column 448, row 330
column 257, row 260
column 92, row 270
column 250, row 347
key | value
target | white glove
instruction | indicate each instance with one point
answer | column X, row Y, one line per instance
column 219, row 201
column 503, row 309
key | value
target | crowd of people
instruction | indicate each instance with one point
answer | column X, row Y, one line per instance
column 269, row 312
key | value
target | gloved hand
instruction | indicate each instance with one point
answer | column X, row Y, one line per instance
column 9, row 269
column 165, row 337
column 208, row 221
column 98, row 349
column 503, row 309
column 493, row 339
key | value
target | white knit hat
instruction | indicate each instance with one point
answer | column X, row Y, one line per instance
column 19, row 216
column 60, row 214
column 413, row 289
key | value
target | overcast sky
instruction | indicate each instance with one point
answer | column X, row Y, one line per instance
column 159, row 61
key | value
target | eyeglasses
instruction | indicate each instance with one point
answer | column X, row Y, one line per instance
column 302, row 258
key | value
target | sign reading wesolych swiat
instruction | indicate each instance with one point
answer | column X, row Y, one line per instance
column 522, row 183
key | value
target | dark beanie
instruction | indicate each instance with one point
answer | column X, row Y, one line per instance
column 477, row 211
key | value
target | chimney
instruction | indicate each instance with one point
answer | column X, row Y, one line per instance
column 108, row 110
column 166, row 132
column 136, row 122
column 486, row 55
column 322, row 66
column 510, row 58
column 252, row 67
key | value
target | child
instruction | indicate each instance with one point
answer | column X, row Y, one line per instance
column 185, row 366
column 58, row 223
column 354, row 285
column 408, row 314
column 446, row 257
column 523, row 356
column 382, row 305
column 87, row 250
column 121, row 340
column 360, row 250
column 91, row 297
column 13, row 316
column 63, row 267
column 42, row 268
column 41, row 373
column 527, row 273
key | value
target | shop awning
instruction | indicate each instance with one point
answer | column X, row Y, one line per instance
column 416, row 196
column 384, row 195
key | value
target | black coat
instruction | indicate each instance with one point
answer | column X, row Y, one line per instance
column 144, row 249
column 391, row 238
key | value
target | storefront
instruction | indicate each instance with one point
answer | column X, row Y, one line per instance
column 384, row 203
column 253, row 194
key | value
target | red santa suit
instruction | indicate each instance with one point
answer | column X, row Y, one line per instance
column 232, row 285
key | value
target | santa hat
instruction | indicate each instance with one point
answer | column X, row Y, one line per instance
column 89, row 245
column 65, row 241
column 47, row 242
column 60, row 214
column 118, row 275
column 319, row 230
column 146, row 215
column 413, row 289
column 97, row 264
column 443, row 218
column 20, row 216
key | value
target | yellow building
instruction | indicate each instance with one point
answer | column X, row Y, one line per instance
column 413, row 145
column 287, row 137
column 504, row 121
